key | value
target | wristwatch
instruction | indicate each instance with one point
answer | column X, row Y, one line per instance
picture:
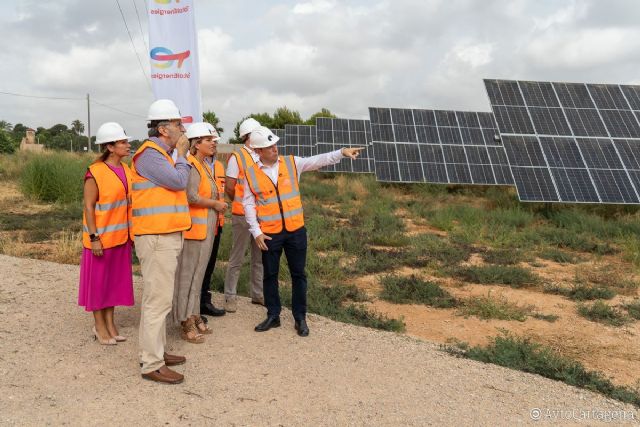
column 94, row 237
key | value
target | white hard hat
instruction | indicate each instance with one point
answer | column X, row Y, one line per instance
column 110, row 132
column 163, row 109
column 248, row 126
column 197, row 130
column 214, row 131
column 262, row 137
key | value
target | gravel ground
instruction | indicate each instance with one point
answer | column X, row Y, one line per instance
column 54, row 373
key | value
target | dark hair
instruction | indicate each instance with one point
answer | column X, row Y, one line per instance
column 153, row 126
column 104, row 154
column 246, row 137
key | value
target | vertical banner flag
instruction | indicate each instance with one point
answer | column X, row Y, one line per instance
column 173, row 44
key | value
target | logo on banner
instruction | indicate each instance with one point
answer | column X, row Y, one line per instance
column 164, row 58
column 166, row 1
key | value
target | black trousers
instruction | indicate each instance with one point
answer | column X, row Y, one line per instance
column 205, row 290
column 294, row 245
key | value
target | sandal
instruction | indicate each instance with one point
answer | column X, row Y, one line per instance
column 203, row 328
column 190, row 332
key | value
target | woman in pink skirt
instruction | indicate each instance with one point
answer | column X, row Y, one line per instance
column 105, row 270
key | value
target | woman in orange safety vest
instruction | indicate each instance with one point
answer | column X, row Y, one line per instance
column 105, row 268
column 206, row 207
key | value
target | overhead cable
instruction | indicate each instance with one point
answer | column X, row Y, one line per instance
column 133, row 44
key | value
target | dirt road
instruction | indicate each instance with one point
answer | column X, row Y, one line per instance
column 52, row 372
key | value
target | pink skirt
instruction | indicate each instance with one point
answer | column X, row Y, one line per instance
column 106, row 281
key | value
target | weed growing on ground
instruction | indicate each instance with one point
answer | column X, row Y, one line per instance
column 54, row 178
column 67, row 247
column 559, row 256
column 546, row 317
column 412, row 289
column 580, row 292
column 488, row 307
column 515, row 277
column 603, row 313
column 633, row 309
column 523, row 355
column 503, row 256
column 424, row 248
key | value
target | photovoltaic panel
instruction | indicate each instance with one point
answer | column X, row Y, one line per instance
column 437, row 146
column 334, row 134
column 570, row 142
column 300, row 140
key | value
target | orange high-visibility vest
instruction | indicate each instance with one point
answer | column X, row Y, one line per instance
column 113, row 207
column 245, row 161
column 278, row 207
column 198, row 230
column 157, row 210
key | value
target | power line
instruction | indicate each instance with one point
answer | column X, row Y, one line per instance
column 116, row 109
column 133, row 44
column 140, row 26
column 40, row 97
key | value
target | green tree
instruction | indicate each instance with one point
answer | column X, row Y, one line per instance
column 322, row 113
column 7, row 146
column 210, row 117
column 77, row 127
column 263, row 118
column 284, row 116
column 6, row 126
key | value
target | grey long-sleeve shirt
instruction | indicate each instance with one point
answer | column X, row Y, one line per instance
column 152, row 165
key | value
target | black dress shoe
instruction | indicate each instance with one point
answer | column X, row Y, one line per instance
column 302, row 328
column 210, row 310
column 270, row 322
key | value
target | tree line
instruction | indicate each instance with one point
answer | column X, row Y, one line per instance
column 69, row 138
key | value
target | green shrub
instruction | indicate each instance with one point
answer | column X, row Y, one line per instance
column 412, row 289
column 513, row 217
column 633, row 309
column 559, row 256
column 424, row 248
column 523, row 355
column 580, row 292
column 516, row 277
column 55, row 177
column 603, row 313
column 486, row 307
column 503, row 256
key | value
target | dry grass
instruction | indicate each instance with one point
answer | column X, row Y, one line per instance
column 67, row 247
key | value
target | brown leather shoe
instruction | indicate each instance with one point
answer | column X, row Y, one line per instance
column 164, row 375
column 173, row 360
column 257, row 300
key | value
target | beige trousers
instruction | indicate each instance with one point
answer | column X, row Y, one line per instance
column 158, row 255
column 242, row 238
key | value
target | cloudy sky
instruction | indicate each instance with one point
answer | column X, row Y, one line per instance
column 257, row 55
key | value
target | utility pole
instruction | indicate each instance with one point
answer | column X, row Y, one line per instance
column 88, row 123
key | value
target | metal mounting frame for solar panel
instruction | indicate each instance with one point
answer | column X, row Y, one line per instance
column 300, row 140
column 437, row 146
column 335, row 133
column 570, row 142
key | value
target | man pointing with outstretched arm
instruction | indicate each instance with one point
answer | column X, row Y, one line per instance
column 273, row 210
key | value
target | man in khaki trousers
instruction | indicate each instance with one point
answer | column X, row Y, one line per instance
column 234, row 188
column 160, row 214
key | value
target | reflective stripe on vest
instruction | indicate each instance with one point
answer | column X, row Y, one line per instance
column 198, row 230
column 244, row 161
column 278, row 206
column 112, row 209
column 157, row 210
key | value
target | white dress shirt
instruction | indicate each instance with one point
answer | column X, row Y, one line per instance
column 303, row 164
column 232, row 164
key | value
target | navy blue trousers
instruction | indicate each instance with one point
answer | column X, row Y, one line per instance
column 294, row 245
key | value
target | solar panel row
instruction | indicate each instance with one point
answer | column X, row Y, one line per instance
column 437, row 146
column 334, row 133
column 570, row 142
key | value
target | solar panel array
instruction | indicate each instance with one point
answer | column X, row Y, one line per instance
column 437, row 146
column 299, row 140
column 334, row 133
column 570, row 142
